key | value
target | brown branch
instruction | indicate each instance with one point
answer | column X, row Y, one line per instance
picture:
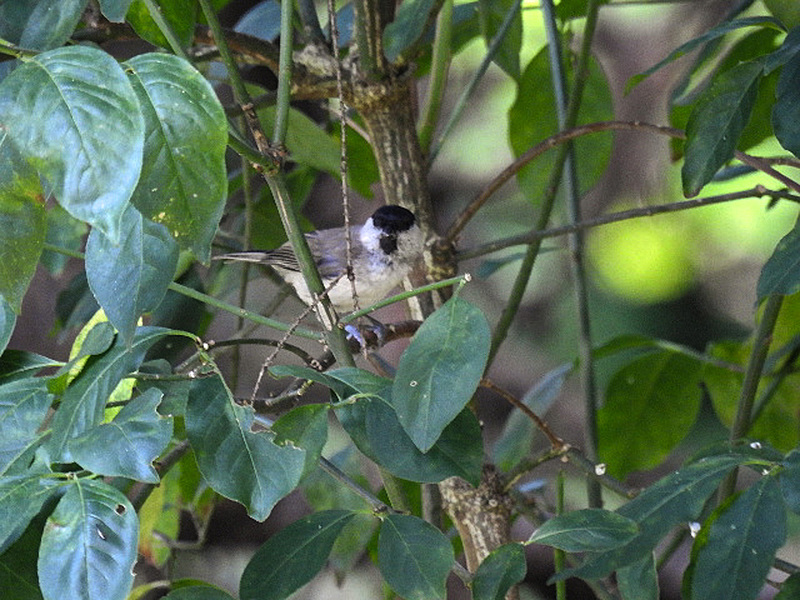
column 761, row 164
column 556, row 442
column 758, row 191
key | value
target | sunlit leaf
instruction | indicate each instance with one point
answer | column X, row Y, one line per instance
column 183, row 183
column 651, row 403
column 72, row 114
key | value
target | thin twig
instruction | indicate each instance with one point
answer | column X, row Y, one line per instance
column 758, row 191
column 555, row 442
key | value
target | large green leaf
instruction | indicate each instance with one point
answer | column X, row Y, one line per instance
column 22, row 223
column 89, row 544
column 238, row 463
column 21, row 497
column 128, row 445
column 292, row 557
column 651, row 403
column 375, row 429
column 790, row 481
column 40, row 24
column 677, row 498
column 503, row 568
column 781, row 272
column 786, row 112
column 716, row 122
column 130, row 278
column 183, row 183
column 587, row 530
column 23, row 406
column 736, row 547
column 492, row 15
column 440, row 370
column 83, row 404
column 532, row 118
column 414, row 557
column 72, row 113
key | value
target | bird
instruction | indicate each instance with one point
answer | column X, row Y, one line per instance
column 383, row 251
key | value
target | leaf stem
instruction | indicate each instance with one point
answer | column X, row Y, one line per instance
column 165, row 28
column 752, row 377
column 284, row 75
column 559, row 556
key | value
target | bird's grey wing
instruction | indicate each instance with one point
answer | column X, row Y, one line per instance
column 329, row 247
column 282, row 257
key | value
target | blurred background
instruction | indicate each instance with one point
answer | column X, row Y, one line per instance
column 687, row 277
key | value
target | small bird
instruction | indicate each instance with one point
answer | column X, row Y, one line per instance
column 383, row 250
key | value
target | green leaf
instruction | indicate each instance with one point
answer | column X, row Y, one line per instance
column 183, row 183
column 733, row 556
column 198, row 592
column 63, row 231
column 440, row 370
column 373, row 426
column 72, row 113
column 18, row 564
column 716, row 122
column 587, row 530
column 639, row 580
column 7, row 322
column 410, row 21
column 307, row 428
column 498, row 572
column 781, row 272
column 414, row 557
column 40, row 24
column 83, row 403
column 181, row 15
column 654, row 399
column 128, row 445
column 492, row 15
column 89, row 544
column 21, row 498
column 292, row 557
column 535, row 97
column 790, row 588
column 131, row 277
column 22, row 224
column 778, row 419
column 711, row 34
column 235, row 461
column 114, row 10
column 786, row 112
column 15, row 364
column 677, row 498
column 23, row 406
column 519, row 432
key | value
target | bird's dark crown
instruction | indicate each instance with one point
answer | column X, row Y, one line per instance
column 393, row 219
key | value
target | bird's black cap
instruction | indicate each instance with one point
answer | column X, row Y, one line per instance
column 393, row 218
